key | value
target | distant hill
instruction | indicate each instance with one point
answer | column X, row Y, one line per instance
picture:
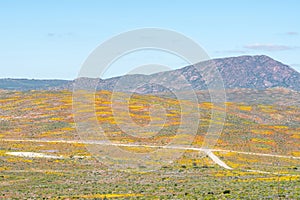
column 30, row 84
column 252, row 72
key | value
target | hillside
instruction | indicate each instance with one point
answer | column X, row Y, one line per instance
column 41, row 154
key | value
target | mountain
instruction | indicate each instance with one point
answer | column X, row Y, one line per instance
column 252, row 72
column 259, row 72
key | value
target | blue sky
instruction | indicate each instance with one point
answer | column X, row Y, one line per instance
column 51, row 39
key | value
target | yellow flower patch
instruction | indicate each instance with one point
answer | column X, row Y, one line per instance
column 245, row 108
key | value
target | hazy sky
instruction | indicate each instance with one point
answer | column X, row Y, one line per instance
column 52, row 38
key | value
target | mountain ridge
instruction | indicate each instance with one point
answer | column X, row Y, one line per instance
column 254, row 72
